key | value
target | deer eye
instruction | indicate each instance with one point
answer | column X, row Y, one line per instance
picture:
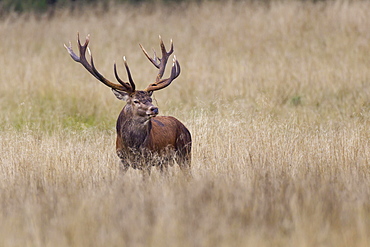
column 136, row 101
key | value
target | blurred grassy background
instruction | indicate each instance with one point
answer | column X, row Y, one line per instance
column 276, row 95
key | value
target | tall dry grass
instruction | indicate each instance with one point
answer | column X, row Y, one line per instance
column 276, row 97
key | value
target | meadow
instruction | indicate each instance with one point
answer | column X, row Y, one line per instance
column 276, row 96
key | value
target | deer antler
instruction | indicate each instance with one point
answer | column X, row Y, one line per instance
column 123, row 86
column 160, row 63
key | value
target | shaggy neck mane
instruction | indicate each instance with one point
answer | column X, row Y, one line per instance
column 134, row 131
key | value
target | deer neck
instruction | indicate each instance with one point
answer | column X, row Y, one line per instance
column 133, row 130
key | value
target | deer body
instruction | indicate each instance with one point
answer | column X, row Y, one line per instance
column 154, row 143
column 143, row 138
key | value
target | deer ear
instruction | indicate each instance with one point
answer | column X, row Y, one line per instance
column 120, row 94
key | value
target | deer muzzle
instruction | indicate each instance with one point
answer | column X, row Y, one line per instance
column 152, row 111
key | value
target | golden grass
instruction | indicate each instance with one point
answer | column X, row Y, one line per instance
column 277, row 99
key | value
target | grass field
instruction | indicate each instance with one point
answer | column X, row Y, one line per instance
column 276, row 96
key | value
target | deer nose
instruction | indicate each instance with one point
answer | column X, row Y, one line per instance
column 154, row 110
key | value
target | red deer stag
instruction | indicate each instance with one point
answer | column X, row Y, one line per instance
column 143, row 138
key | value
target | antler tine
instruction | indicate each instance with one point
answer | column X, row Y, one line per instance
column 153, row 60
column 117, row 77
column 71, row 53
column 90, row 66
column 175, row 72
column 132, row 84
column 164, row 59
column 160, row 63
column 82, row 48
